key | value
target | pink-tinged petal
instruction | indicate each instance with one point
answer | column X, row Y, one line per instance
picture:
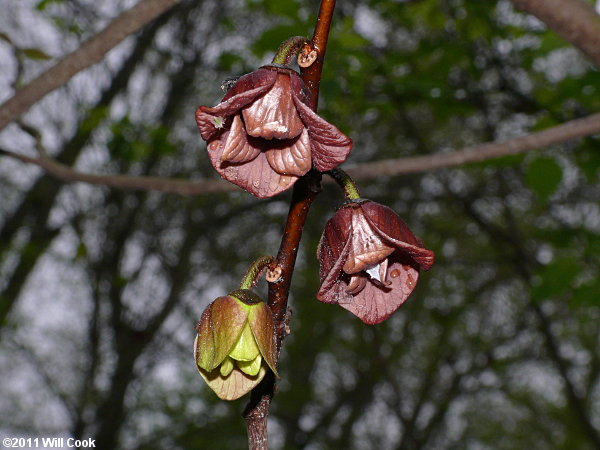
column 395, row 232
column 262, row 78
column 248, row 88
column 255, row 177
column 334, row 242
column 274, row 115
column 330, row 146
column 300, row 90
column 367, row 248
column 357, row 283
column 292, row 158
column 376, row 303
column 237, row 149
column 234, row 385
column 333, row 289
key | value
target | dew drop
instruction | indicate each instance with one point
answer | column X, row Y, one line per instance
column 395, row 273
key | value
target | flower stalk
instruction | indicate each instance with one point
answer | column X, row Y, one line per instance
column 254, row 271
column 288, row 50
column 346, row 183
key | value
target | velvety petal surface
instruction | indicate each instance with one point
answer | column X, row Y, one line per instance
column 237, row 149
column 330, row 147
column 228, row 319
column 234, row 385
column 263, row 329
column 257, row 177
column 248, row 88
column 367, row 248
column 274, row 115
column 375, row 302
column 395, row 232
column 292, row 157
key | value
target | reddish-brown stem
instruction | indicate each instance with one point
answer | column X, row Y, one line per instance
column 305, row 191
column 312, row 74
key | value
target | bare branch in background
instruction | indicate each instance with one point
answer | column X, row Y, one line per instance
column 574, row 20
column 573, row 129
column 89, row 53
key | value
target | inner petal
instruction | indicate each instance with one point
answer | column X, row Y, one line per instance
column 357, row 283
column 246, row 348
column 367, row 248
column 237, row 148
column 274, row 115
column 293, row 159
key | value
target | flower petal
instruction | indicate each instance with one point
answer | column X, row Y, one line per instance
column 263, row 329
column 334, row 244
column 375, row 302
column 367, row 248
column 293, row 159
column 394, row 231
column 330, row 146
column 204, row 344
column 247, row 89
column 237, row 149
column 228, row 318
column 256, row 177
column 274, row 115
column 251, row 367
column 245, row 349
column 234, row 385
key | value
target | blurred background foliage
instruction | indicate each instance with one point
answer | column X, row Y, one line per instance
column 100, row 288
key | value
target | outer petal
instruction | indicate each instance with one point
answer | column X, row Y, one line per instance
column 234, row 385
column 367, row 247
column 257, row 177
column 237, row 149
column 228, row 318
column 334, row 282
column 334, row 243
column 292, row 158
column 393, row 230
column 375, row 302
column 204, row 344
column 330, row 146
column 263, row 329
column 274, row 114
column 247, row 89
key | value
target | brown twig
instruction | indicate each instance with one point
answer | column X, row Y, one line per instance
column 89, row 53
column 305, row 191
column 567, row 131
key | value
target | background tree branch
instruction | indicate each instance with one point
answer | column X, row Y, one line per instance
column 574, row 20
column 573, row 129
column 89, row 53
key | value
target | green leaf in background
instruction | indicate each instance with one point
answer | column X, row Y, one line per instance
column 35, row 53
column 588, row 160
column 556, row 278
column 543, row 175
column 5, row 37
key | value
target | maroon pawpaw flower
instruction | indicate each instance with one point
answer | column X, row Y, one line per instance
column 369, row 261
column 264, row 134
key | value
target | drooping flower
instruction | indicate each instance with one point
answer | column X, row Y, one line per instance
column 264, row 134
column 235, row 345
column 369, row 261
